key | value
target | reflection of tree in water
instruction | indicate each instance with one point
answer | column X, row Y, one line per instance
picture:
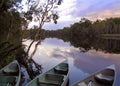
column 106, row 45
column 33, row 68
column 101, row 44
column 83, row 44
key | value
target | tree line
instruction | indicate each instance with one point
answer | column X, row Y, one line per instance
column 86, row 28
column 86, row 34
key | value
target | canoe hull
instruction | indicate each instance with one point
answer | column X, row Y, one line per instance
column 104, row 77
column 66, row 82
column 57, row 76
column 11, row 73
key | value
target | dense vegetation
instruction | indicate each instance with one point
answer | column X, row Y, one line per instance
column 10, row 33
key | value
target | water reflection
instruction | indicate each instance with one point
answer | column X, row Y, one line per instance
column 109, row 45
column 86, row 44
column 52, row 51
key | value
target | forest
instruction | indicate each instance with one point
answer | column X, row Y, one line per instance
column 10, row 33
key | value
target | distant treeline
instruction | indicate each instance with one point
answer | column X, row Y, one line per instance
column 88, row 29
column 85, row 34
column 84, row 29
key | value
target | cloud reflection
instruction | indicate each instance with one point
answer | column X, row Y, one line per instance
column 53, row 51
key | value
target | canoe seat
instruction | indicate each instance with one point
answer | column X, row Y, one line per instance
column 61, row 68
column 11, row 69
column 104, row 78
column 7, row 79
column 51, row 79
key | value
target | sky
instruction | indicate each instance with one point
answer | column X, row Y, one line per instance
column 71, row 11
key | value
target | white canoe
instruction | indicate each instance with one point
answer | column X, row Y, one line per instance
column 10, row 75
column 57, row 76
column 104, row 77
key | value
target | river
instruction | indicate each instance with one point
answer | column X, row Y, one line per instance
column 52, row 51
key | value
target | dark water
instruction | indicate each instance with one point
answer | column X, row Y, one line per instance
column 81, row 64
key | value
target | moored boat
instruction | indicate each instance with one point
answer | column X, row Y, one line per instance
column 10, row 75
column 57, row 76
column 104, row 77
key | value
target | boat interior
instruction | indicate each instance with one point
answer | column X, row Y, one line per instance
column 103, row 78
column 53, row 77
column 9, row 75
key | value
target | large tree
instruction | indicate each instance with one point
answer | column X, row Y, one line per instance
column 41, row 11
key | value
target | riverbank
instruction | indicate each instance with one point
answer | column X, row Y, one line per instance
column 110, row 36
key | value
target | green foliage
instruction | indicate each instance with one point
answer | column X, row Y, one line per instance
column 10, row 34
column 8, row 4
column 42, row 10
column 108, row 26
column 10, row 24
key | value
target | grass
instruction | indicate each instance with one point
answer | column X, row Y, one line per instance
column 110, row 35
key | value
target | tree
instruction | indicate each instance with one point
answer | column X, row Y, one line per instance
column 10, row 32
column 42, row 12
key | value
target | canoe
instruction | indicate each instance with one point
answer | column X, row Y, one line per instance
column 10, row 75
column 57, row 76
column 104, row 77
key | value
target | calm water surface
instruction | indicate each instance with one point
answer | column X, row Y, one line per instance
column 81, row 64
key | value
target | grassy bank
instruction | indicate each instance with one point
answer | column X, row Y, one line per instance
column 110, row 35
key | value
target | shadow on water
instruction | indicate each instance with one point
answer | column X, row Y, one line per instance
column 29, row 68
